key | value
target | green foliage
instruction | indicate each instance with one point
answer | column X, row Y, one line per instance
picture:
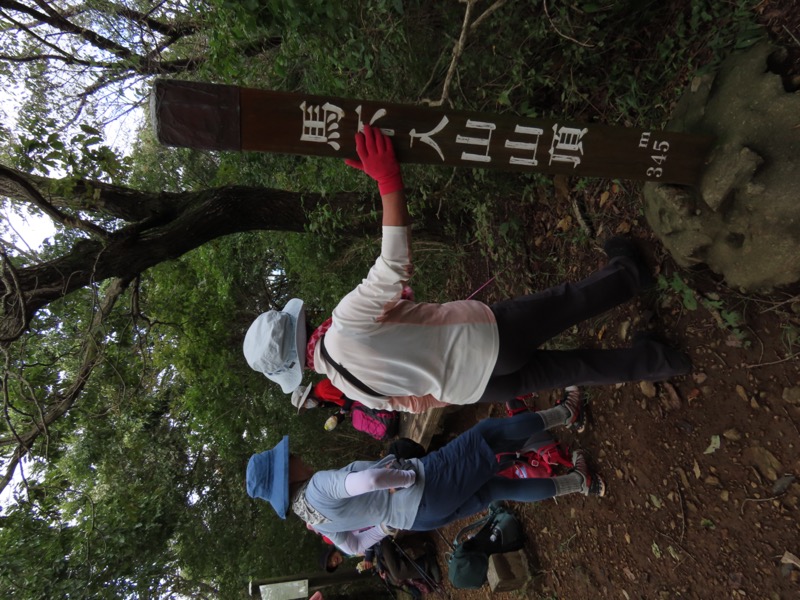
column 83, row 154
column 142, row 493
column 678, row 285
column 726, row 319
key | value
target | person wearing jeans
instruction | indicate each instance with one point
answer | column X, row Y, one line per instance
column 418, row 494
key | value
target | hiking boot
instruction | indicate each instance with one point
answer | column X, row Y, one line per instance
column 619, row 246
column 593, row 484
column 675, row 361
column 575, row 401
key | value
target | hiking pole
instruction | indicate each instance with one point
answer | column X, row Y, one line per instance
column 445, row 540
column 437, row 587
column 473, row 294
column 387, row 586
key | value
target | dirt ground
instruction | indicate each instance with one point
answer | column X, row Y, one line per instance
column 703, row 472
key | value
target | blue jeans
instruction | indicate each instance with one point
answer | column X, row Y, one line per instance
column 461, row 478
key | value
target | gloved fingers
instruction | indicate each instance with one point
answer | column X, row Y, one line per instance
column 389, row 150
column 369, row 140
column 356, row 164
column 361, row 146
column 380, row 142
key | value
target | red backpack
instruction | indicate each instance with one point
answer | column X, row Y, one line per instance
column 379, row 424
column 536, row 460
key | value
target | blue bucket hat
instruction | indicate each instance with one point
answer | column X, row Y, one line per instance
column 268, row 476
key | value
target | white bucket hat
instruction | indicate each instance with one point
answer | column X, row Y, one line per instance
column 275, row 345
column 299, row 397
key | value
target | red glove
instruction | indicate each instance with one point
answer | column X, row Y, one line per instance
column 377, row 160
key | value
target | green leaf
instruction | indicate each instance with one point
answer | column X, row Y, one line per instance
column 656, row 550
column 713, row 446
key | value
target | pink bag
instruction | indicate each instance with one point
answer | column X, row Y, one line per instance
column 379, row 424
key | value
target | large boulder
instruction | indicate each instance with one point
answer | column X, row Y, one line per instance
column 744, row 219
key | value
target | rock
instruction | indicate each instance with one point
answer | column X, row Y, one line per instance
column 699, row 378
column 782, row 484
column 732, row 434
column 791, row 395
column 648, row 388
column 711, row 480
column 724, row 495
column 742, row 222
column 741, row 392
column 670, row 399
column 508, row 571
column 763, row 460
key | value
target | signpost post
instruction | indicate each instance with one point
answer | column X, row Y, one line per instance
column 224, row 117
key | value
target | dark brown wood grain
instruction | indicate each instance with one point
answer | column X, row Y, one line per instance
column 199, row 115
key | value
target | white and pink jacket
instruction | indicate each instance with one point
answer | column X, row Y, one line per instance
column 419, row 355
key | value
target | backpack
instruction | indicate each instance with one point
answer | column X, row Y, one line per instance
column 406, row 448
column 536, row 460
column 498, row 532
column 380, row 424
column 409, row 563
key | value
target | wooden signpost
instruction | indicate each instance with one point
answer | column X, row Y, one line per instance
column 223, row 117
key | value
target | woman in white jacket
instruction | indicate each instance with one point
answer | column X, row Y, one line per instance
column 389, row 352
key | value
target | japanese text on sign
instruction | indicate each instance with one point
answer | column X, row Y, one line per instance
column 321, row 125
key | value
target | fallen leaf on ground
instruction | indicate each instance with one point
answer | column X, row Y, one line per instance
column 790, row 559
column 713, row 446
column 623, row 228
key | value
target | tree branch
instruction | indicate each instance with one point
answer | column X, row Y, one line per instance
column 49, row 209
column 91, row 356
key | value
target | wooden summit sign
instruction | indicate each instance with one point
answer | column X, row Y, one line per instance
column 224, row 117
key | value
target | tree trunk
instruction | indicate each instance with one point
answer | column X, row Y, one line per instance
column 179, row 223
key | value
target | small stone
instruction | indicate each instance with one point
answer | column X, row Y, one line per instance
column 724, row 495
column 732, row 435
column 741, row 392
column 791, row 395
column 699, row 378
column 648, row 388
column 764, row 461
column 753, row 403
column 683, row 477
column 711, row 480
column 782, row 484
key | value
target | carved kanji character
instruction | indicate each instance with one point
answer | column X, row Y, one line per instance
column 463, row 139
column 320, row 124
column 381, row 112
column 427, row 138
column 532, row 146
column 567, row 139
